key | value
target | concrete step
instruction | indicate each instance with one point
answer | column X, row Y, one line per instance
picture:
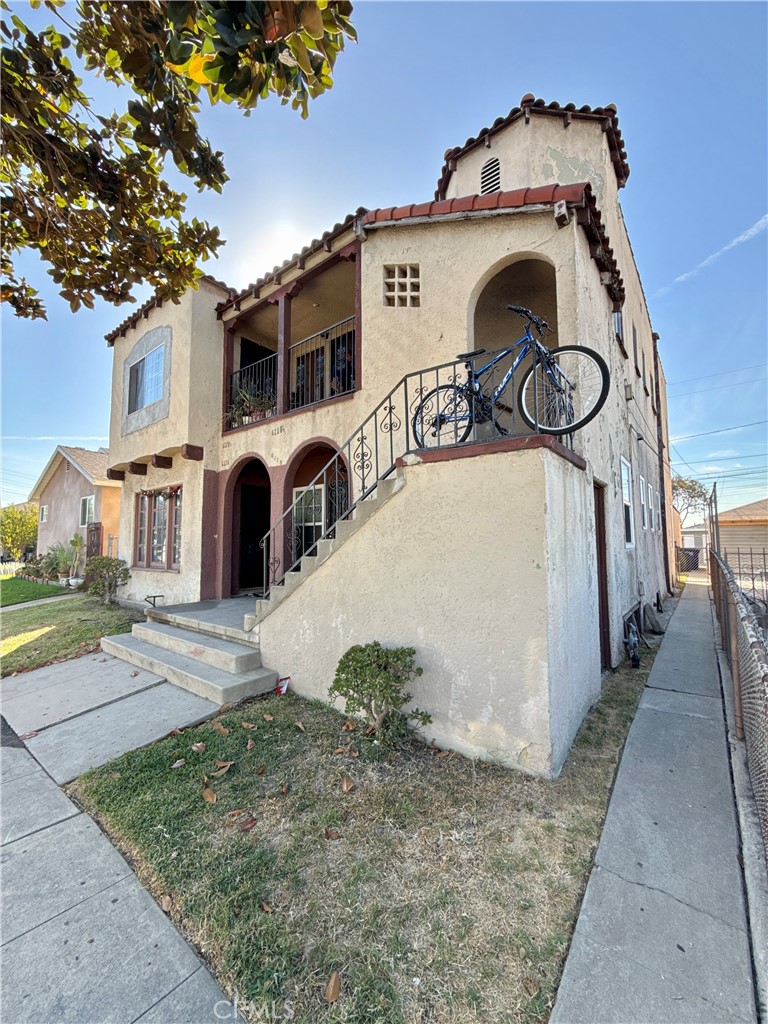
column 188, row 673
column 201, row 624
column 228, row 655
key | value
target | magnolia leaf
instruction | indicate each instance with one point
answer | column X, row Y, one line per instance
column 179, row 763
column 209, row 795
column 266, row 908
column 250, row 744
column 261, row 769
column 333, row 988
column 300, row 726
column 248, row 725
column 223, row 770
column 267, row 717
column 248, row 824
column 166, row 904
column 531, row 987
column 332, row 833
column 347, row 785
column 199, row 748
column 222, row 730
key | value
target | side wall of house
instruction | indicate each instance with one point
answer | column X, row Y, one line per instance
column 107, row 513
column 465, row 565
column 62, row 495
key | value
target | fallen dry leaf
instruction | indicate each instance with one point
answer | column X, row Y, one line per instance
column 28, row 735
column 248, row 824
column 225, row 707
column 223, row 770
column 340, row 750
column 222, row 730
column 347, row 785
column 531, row 987
column 223, row 764
column 442, row 754
column 332, row 833
column 349, row 726
column 284, row 791
column 261, row 769
column 237, row 813
column 266, row 908
column 354, row 752
column 166, row 904
column 209, row 795
column 134, row 674
column 370, row 730
column 300, row 726
column 267, row 717
column 250, row 745
column 248, row 725
column 333, row 988
column 199, row 748
column 179, row 763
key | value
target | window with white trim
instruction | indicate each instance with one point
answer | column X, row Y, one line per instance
column 643, row 509
column 658, row 511
column 146, row 380
column 158, row 529
column 651, row 509
column 43, row 513
column 618, row 324
column 626, row 494
column 490, row 176
column 87, row 507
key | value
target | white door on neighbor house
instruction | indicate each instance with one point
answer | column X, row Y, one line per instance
column 308, row 517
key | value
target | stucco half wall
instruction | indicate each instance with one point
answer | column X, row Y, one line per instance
column 463, row 564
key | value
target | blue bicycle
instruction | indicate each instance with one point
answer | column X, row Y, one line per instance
column 561, row 390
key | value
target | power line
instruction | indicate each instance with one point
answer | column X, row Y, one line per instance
column 701, row 391
column 707, row 376
column 723, row 430
column 724, row 458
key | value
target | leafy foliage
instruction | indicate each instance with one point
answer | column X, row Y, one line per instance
column 107, row 575
column 18, row 528
column 689, row 496
column 86, row 191
column 372, row 681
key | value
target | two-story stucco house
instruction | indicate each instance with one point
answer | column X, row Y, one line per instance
column 265, row 443
column 75, row 496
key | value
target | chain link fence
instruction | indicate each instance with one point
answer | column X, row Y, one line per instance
column 744, row 644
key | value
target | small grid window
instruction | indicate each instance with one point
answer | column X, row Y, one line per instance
column 402, row 284
column 158, row 529
column 87, row 510
column 626, row 493
column 490, row 176
column 146, row 380
column 43, row 513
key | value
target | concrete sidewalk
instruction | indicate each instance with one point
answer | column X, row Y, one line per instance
column 662, row 934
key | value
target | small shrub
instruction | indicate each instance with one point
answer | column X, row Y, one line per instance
column 107, row 575
column 372, row 681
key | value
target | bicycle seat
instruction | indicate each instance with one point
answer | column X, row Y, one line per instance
column 471, row 355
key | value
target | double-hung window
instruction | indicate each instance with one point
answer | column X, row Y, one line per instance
column 43, row 513
column 87, row 506
column 626, row 493
column 643, row 508
column 651, row 510
column 158, row 529
column 658, row 510
column 145, row 385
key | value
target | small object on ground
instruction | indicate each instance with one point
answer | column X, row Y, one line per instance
column 179, row 763
column 222, row 730
column 199, row 748
column 652, row 623
column 333, row 988
column 282, row 686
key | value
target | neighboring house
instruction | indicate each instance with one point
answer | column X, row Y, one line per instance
column 743, row 528
column 75, row 496
column 511, row 565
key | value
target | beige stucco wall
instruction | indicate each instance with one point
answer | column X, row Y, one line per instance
column 62, row 495
column 108, row 514
column 465, row 564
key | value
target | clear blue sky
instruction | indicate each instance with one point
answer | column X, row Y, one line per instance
column 691, row 87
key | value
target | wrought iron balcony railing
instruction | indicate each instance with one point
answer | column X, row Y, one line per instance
column 323, row 365
column 253, row 392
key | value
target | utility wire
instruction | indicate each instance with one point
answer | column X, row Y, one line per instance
column 723, row 430
column 736, row 384
column 722, row 373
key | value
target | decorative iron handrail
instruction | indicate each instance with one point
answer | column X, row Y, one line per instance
column 370, row 455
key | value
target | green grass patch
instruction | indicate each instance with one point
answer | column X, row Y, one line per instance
column 440, row 888
column 32, row 637
column 14, row 590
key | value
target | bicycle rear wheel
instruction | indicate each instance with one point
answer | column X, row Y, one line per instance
column 443, row 418
column 565, row 393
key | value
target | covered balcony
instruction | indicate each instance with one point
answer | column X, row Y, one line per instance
column 294, row 351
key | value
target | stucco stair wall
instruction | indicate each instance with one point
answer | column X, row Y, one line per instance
column 344, row 530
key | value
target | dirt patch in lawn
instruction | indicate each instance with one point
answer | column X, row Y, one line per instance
column 438, row 888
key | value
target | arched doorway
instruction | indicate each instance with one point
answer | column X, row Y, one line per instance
column 251, row 502
column 320, row 496
column 527, row 282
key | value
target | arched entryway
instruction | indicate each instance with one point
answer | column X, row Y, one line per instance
column 251, row 503
column 319, row 493
column 527, row 282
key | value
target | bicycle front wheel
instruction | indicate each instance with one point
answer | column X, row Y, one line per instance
column 566, row 392
column 443, row 418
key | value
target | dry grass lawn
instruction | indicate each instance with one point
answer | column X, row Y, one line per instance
column 440, row 889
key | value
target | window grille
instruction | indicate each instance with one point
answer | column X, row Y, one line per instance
column 402, row 284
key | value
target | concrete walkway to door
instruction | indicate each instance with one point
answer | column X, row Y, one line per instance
column 662, row 935
column 82, row 940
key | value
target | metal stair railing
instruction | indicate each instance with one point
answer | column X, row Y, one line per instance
column 370, row 455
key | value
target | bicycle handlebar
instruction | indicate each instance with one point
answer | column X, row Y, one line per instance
column 540, row 322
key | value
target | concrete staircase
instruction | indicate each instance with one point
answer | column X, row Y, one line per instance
column 344, row 529
column 198, row 654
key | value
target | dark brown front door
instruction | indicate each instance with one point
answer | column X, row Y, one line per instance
column 602, row 578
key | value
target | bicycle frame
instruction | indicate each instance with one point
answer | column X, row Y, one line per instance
column 528, row 343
